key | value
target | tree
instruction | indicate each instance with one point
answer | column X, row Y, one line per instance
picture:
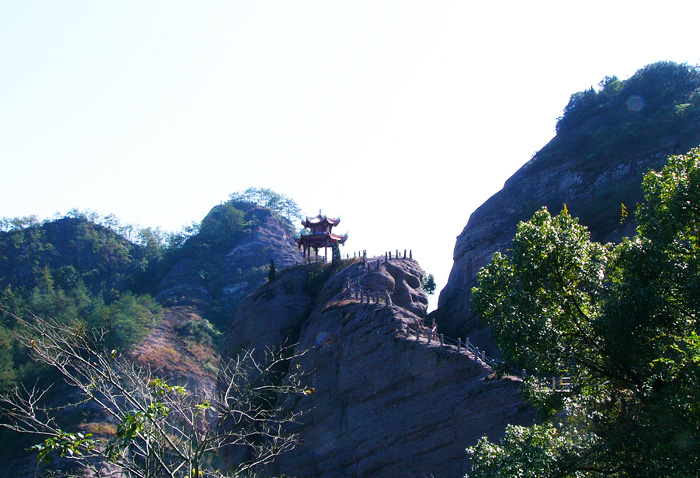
column 622, row 322
column 161, row 429
column 336, row 258
column 272, row 273
column 428, row 283
column 280, row 204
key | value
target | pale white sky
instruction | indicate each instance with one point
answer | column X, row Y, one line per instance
column 401, row 117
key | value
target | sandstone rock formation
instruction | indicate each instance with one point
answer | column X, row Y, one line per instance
column 181, row 346
column 492, row 226
column 594, row 164
column 384, row 403
column 244, row 267
column 594, row 194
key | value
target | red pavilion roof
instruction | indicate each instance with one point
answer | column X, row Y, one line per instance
column 311, row 221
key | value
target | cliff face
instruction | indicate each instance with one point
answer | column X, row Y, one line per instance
column 385, row 404
column 606, row 140
column 492, row 226
column 181, row 347
column 239, row 268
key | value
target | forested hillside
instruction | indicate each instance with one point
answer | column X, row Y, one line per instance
column 94, row 273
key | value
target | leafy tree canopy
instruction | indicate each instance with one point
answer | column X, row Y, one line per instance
column 622, row 322
column 427, row 282
column 264, row 197
column 628, row 117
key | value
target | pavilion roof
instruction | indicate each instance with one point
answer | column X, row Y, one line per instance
column 309, row 221
column 321, row 238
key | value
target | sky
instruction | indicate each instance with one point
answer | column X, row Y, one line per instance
column 399, row 117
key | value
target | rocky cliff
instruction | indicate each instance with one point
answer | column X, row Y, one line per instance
column 182, row 346
column 212, row 269
column 492, row 226
column 384, row 403
column 605, row 142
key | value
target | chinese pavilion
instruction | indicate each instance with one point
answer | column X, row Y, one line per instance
column 321, row 235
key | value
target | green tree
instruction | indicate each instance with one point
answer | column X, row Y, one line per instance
column 264, row 197
column 272, row 273
column 336, row 258
column 427, row 282
column 623, row 322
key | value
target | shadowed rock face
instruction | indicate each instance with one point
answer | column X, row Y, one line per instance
column 384, row 404
column 587, row 193
column 244, row 267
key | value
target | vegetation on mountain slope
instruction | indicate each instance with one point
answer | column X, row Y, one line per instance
column 94, row 271
column 656, row 110
column 159, row 429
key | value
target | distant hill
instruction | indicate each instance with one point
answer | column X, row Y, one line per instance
column 71, row 249
column 606, row 140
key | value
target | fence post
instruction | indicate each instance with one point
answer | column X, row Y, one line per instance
column 466, row 344
column 411, row 252
column 459, row 345
column 442, row 340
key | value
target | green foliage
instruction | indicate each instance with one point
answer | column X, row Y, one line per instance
column 201, row 332
column 657, row 99
column 427, row 283
column 71, row 249
column 221, row 228
column 528, row 452
column 125, row 321
column 63, row 444
column 623, row 322
column 272, row 273
column 336, row 258
column 317, row 275
column 537, row 300
column 653, row 114
column 280, row 204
